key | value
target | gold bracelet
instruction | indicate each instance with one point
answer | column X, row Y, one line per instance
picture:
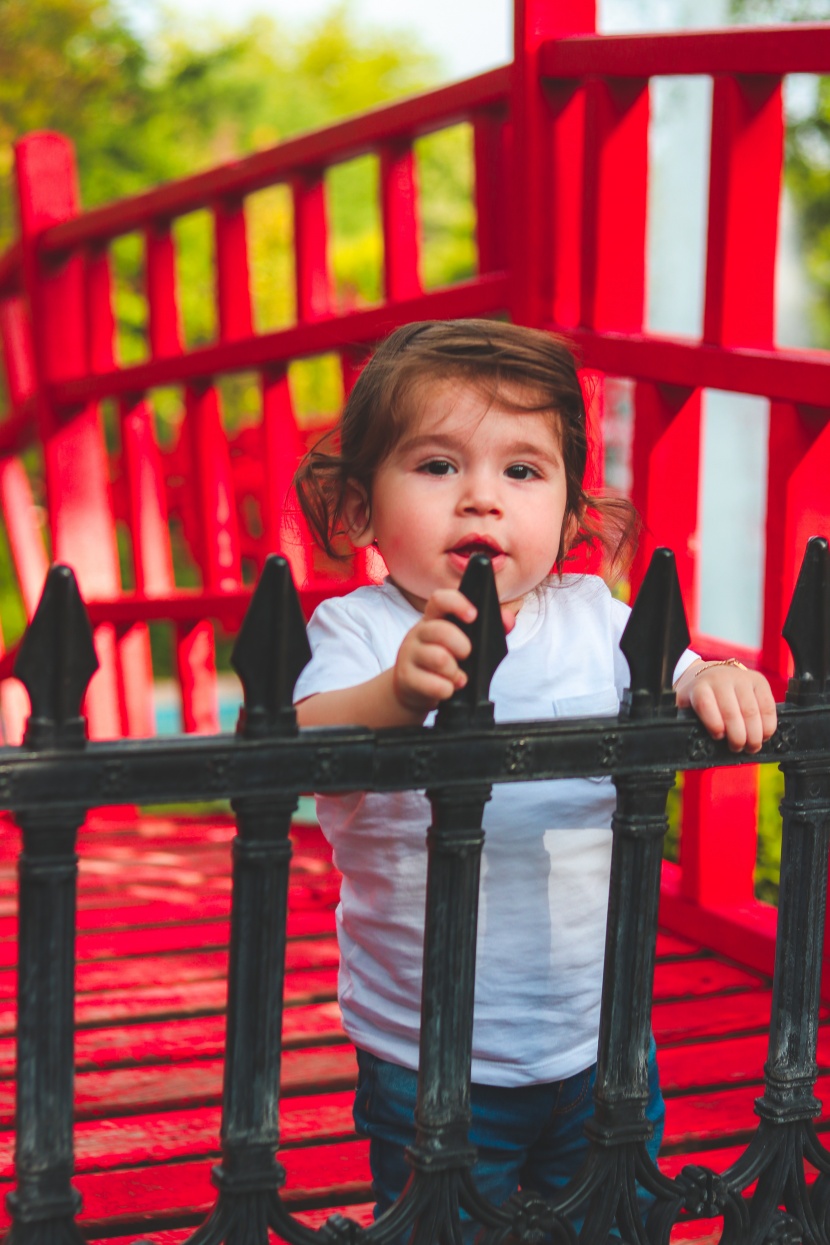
column 728, row 661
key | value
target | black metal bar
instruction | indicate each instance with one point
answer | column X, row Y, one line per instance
column 55, row 662
column 270, row 652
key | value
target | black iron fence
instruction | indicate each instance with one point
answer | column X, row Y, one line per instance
column 56, row 776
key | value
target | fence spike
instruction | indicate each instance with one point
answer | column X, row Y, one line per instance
column 270, row 652
column 807, row 628
column 472, row 702
column 653, row 640
column 55, row 663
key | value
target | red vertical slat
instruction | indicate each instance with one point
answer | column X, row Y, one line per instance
column 232, row 284
column 744, row 193
column 665, row 481
column 490, row 152
column 614, row 206
column 80, row 513
column 400, row 219
column 311, row 248
column 135, row 667
column 535, row 21
column 100, row 321
column 212, row 484
column 286, row 530
column 561, row 260
column 18, row 351
column 150, row 534
column 195, row 661
column 164, row 325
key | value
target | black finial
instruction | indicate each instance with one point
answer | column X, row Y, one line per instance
column 807, row 629
column 471, row 705
column 55, row 663
column 270, row 652
column 654, row 638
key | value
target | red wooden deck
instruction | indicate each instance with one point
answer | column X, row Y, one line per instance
column 152, row 933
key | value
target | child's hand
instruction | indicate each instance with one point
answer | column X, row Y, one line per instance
column 427, row 670
column 731, row 702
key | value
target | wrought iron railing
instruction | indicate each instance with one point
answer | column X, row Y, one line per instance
column 56, row 776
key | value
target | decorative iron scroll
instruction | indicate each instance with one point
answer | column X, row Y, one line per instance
column 53, row 778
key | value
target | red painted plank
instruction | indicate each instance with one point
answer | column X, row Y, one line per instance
column 679, row 979
column 183, row 1190
column 170, row 1135
column 199, row 1037
column 195, row 997
column 126, row 1091
column 700, row 1017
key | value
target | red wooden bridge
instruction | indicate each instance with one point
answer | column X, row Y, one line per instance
column 560, row 140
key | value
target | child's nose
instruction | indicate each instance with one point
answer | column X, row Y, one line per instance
column 480, row 497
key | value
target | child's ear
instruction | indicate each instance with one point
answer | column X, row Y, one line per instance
column 357, row 514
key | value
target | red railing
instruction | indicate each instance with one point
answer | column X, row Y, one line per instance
column 561, row 162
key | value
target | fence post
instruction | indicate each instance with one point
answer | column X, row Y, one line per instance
column 55, row 663
column 529, row 210
column 270, row 651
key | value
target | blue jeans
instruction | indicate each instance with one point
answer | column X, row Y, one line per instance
column 531, row 1137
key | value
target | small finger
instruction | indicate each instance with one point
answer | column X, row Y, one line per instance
column 450, row 601
column 751, row 713
column 440, row 631
column 705, row 704
column 733, row 719
column 437, row 659
column 766, row 704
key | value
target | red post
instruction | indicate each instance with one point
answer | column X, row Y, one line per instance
column 162, row 302
column 285, row 529
column 744, row 193
column 614, row 205
column 232, row 285
column 529, row 222
column 80, row 513
column 665, row 481
column 491, row 155
column 401, row 225
column 196, row 664
column 311, row 265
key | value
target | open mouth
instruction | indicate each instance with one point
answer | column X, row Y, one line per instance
column 466, row 549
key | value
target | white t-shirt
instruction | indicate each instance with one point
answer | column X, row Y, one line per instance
column 547, row 850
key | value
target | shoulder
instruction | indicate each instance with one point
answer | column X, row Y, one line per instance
column 367, row 608
column 580, row 594
column 586, row 607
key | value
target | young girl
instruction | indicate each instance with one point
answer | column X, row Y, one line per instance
column 462, row 438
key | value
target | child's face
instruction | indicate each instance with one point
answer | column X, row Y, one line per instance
column 469, row 476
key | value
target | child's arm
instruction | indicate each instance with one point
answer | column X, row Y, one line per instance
column 425, row 673
column 730, row 701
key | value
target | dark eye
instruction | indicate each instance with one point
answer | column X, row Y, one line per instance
column 521, row 471
column 437, row 467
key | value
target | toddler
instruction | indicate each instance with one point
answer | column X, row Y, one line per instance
column 462, row 438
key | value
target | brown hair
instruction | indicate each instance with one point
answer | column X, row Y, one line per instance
column 504, row 360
